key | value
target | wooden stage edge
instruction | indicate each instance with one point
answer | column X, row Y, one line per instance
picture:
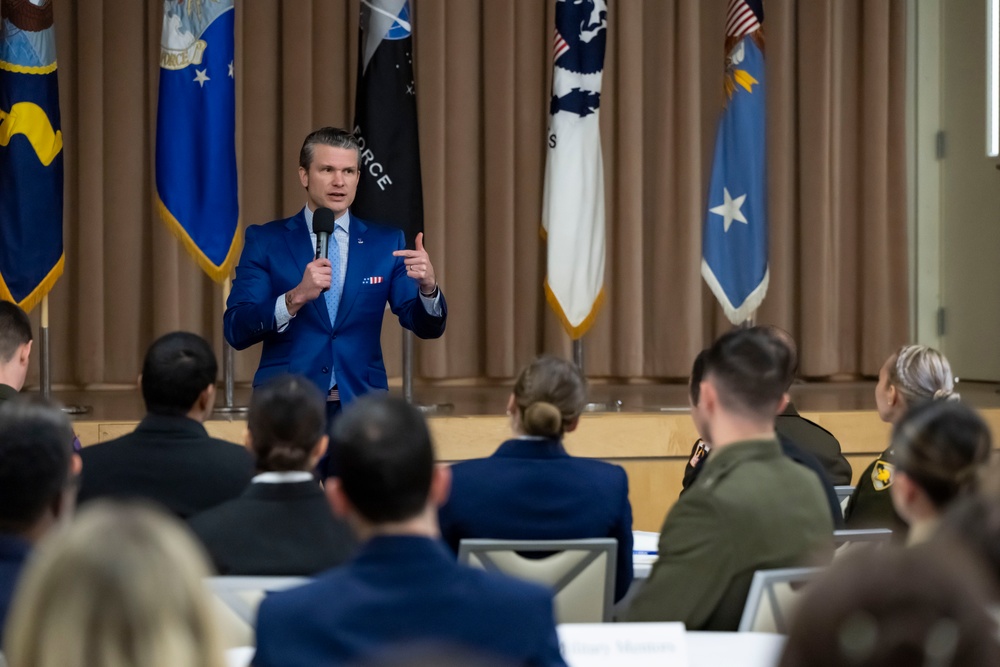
column 653, row 447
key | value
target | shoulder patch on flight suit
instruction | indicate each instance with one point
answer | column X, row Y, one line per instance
column 882, row 475
column 700, row 452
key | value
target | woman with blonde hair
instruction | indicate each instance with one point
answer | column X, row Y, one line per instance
column 531, row 488
column 119, row 587
column 912, row 375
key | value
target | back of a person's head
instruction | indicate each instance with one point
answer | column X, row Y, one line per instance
column 36, row 446
column 178, row 367
column 549, row 392
column 749, row 369
column 15, row 330
column 893, row 606
column 974, row 523
column 287, row 419
column 941, row 445
column 784, row 339
column 697, row 375
column 921, row 373
column 122, row 586
column 385, row 460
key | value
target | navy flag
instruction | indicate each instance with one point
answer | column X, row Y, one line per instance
column 734, row 238
column 385, row 119
column 31, row 155
column 196, row 132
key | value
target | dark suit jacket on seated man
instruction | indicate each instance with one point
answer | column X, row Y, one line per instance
column 403, row 588
column 316, row 322
column 751, row 507
column 170, row 458
column 38, row 471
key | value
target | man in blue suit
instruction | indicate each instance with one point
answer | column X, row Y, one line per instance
column 321, row 317
column 403, row 588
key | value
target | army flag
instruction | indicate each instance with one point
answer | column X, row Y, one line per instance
column 573, row 200
column 31, row 155
column 734, row 236
column 385, row 119
column 196, row 132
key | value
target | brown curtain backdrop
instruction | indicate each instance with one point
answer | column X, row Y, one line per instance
column 835, row 86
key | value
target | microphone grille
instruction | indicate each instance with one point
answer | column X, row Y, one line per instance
column 323, row 221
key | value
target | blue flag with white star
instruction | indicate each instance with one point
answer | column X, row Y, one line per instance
column 196, row 132
column 31, row 155
column 734, row 238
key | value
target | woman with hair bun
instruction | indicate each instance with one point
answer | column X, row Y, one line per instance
column 937, row 449
column 282, row 524
column 531, row 488
column 912, row 375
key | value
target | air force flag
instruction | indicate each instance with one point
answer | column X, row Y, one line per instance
column 196, row 132
column 31, row 155
column 573, row 202
column 734, row 239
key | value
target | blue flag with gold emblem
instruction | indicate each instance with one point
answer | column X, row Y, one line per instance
column 31, row 155
column 196, row 132
column 734, row 238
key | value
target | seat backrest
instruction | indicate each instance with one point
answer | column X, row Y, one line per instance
column 851, row 536
column 772, row 598
column 844, row 493
column 235, row 602
column 581, row 573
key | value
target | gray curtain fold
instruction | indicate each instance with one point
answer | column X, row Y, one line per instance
column 836, row 178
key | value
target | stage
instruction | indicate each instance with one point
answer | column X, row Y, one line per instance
column 650, row 435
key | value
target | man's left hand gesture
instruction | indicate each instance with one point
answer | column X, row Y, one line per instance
column 419, row 267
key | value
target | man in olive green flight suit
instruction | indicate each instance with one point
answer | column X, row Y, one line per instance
column 751, row 508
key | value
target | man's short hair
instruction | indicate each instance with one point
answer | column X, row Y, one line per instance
column 697, row 375
column 328, row 136
column 15, row 330
column 383, row 452
column 36, row 443
column 287, row 418
column 178, row 367
column 749, row 369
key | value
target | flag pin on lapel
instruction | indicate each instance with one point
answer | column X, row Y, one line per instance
column 374, row 280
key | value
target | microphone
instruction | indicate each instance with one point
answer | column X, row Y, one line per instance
column 323, row 224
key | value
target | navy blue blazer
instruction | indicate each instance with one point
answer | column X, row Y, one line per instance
column 14, row 552
column 532, row 489
column 273, row 260
column 402, row 590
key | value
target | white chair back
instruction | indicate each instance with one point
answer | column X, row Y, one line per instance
column 847, row 539
column 235, row 601
column 844, row 493
column 581, row 573
column 772, row 598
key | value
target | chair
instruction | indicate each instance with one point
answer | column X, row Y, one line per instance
column 580, row 572
column 772, row 598
column 845, row 539
column 844, row 496
column 235, row 602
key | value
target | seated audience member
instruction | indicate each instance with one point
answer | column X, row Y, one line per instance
column 403, row 587
column 973, row 521
column 750, row 508
column 911, row 375
column 170, row 458
column 937, row 450
column 702, row 449
column 281, row 524
column 37, row 483
column 15, row 349
column 894, row 607
column 531, row 488
column 122, row 585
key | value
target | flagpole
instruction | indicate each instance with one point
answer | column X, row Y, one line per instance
column 613, row 405
column 43, row 335
column 228, row 358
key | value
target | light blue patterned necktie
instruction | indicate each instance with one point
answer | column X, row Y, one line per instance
column 333, row 294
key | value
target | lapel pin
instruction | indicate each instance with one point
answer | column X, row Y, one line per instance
column 360, row 241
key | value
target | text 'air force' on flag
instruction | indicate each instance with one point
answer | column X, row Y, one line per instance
column 196, row 185
column 573, row 200
column 734, row 236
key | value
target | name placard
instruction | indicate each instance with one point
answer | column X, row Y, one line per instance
column 623, row 644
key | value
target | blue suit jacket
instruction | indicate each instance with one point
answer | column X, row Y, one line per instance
column 405, row 590
column 274, row 258
column 531, row 489
column 14, row 552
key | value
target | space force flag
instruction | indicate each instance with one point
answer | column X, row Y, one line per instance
column 573, row 201
column 31, row 155
column 385, row 119
column 734, row 238
column 196, row 132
